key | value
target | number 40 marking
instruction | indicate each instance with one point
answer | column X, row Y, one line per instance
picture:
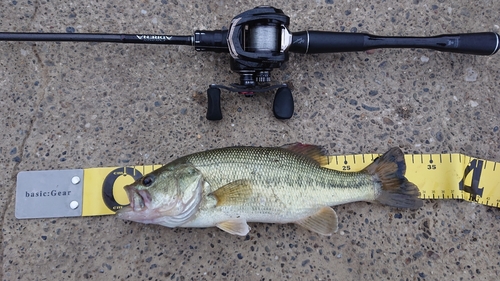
column 476, row 167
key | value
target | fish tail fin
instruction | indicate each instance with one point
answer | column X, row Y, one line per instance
column 396, row 191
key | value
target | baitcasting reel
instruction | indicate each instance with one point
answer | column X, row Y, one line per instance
column 258, row 41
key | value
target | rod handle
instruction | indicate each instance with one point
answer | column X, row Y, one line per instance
column 310, row 42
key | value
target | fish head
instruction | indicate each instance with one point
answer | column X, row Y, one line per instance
column 169, row 196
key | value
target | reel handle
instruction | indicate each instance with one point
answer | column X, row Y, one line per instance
column 311, row 42
column 213, row 106
column 283, row 106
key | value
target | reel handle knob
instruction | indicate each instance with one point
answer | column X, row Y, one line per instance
column 283, row 103
column 213, row 110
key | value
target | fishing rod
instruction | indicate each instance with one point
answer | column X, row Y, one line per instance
column 259, row 41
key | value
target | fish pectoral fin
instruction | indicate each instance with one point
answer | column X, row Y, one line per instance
column 324, row 222
column 233, row 193
column 235, row 226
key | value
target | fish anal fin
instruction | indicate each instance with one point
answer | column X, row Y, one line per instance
column 324, row 222
column 235, row 226
column 314, row 152
column 395, row 190
column 233, row 193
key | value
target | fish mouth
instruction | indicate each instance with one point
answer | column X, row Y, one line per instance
column 139, row 199
column 140, row 208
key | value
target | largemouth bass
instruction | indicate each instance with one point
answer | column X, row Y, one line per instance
column 230, row 187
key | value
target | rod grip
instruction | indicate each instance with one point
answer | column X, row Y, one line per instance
column 484, row 43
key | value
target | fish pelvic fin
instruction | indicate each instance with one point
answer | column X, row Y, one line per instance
column 233, row 193
column 313, row 152
column 235, row 226
column 396, row 191
column 324, row 222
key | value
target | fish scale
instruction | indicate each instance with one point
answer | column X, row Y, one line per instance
column 257, row 184
column 298, row 185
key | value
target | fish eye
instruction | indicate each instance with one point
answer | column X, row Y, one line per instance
column 147, row 181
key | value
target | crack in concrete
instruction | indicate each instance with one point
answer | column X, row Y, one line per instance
column 36, row 9
column 11, row 192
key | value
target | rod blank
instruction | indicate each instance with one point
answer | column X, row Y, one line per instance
column 97, row 37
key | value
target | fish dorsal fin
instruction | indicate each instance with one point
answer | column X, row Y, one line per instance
column 233, row 193
column 324, row 222
column 235, row 226
column 310, row 151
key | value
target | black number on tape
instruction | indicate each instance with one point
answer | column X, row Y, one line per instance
column 476, row 167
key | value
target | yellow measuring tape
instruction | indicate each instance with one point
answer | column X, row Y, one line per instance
column 441, row 176
column 438, row 176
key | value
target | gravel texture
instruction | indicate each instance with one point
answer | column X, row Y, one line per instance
column 81, row 105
